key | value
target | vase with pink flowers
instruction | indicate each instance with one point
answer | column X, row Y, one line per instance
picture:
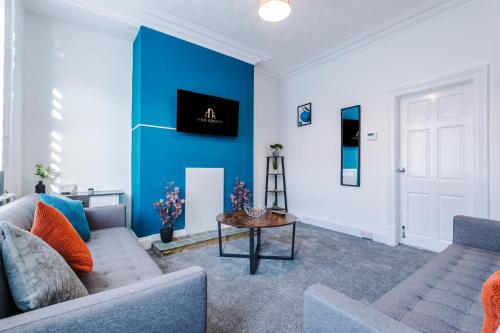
column 240, row 196
column 169, row 210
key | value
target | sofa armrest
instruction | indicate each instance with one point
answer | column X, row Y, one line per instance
column 175, row 302
column 476, row 232
column 327, row 311
column 106, row 217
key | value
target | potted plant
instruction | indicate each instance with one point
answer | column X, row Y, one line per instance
column 276, row 149
column 276, row 153
column 169, row 210
column 43, row 173
column 240, row 196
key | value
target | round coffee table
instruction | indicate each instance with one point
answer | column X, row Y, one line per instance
column 268, row 220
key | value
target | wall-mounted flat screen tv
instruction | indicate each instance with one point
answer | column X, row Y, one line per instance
column 204, row 114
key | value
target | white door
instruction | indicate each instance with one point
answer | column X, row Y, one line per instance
column 437, row 168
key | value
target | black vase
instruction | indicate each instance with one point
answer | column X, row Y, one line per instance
column 40, row 187
column 166, row 234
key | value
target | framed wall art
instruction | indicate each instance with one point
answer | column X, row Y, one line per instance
column 304, row 113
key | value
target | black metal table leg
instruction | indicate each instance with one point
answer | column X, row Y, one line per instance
column 258, row 238
column 253, row 257
column 254, row 247
column 220, row 241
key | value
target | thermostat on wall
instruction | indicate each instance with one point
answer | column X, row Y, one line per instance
column 372, row 136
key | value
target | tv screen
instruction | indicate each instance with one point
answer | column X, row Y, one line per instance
column 204, row 114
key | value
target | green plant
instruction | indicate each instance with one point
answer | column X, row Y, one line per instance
column 276, row 146
column 43, row 172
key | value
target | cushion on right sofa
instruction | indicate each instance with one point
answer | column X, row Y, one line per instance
column 38, row 276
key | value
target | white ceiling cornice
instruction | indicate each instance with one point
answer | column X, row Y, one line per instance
column 135, row 13
column 267, row 73
column 386, row 30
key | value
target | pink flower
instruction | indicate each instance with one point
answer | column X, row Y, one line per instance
column 241, row 195
column 171, row 208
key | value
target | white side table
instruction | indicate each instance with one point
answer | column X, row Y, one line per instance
column 98, row 198
column 6, row 198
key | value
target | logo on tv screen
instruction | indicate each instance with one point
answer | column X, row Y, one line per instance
column 210, row 118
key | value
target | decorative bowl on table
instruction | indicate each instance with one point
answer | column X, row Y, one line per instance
column 255, row 211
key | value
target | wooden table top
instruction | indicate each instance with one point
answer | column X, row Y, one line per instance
column 268, row 220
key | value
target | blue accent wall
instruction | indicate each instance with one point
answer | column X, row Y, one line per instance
column 163, row 64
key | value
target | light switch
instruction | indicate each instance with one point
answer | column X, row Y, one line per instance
column 372, row 136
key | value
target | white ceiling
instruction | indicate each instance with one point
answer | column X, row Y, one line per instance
column 233, row 26
column 313, row 27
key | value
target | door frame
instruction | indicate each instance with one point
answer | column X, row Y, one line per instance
column 478, row 78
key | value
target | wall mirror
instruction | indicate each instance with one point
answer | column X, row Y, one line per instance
column 351, row 148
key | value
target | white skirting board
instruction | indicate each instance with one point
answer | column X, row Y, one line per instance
column 146, row 241
column 380, row 238
column 204, row 198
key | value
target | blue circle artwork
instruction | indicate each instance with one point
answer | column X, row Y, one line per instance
column 305, row 116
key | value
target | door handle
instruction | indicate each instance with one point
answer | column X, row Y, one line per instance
column 402, row 170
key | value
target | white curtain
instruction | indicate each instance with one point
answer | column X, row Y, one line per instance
column 12, row 61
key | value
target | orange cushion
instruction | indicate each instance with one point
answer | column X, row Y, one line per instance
column 55, row 229
column 491, row 303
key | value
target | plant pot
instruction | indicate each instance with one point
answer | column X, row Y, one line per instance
column 40, row 187
column 166, row 235
column 275, row 164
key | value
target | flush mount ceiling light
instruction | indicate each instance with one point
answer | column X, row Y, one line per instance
column 274, row 10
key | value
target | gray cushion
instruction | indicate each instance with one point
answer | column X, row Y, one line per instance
column 118, row 260
column 38, row 276
column 445, row 295
column 20, row 213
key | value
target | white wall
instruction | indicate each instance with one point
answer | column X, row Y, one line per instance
column 462, row 40
column 77, row 84
column 265, row 130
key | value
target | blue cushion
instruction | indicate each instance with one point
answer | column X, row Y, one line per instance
column 72, row 210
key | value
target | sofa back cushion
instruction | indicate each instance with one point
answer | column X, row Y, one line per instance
column 444, row 295
column 19, row 213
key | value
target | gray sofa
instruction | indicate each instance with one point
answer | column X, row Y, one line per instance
column 128, row 292
column 443, row 296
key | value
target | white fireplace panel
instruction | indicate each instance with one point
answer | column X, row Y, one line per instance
column 204, row 198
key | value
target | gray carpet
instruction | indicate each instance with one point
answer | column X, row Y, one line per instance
column 271, row 300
